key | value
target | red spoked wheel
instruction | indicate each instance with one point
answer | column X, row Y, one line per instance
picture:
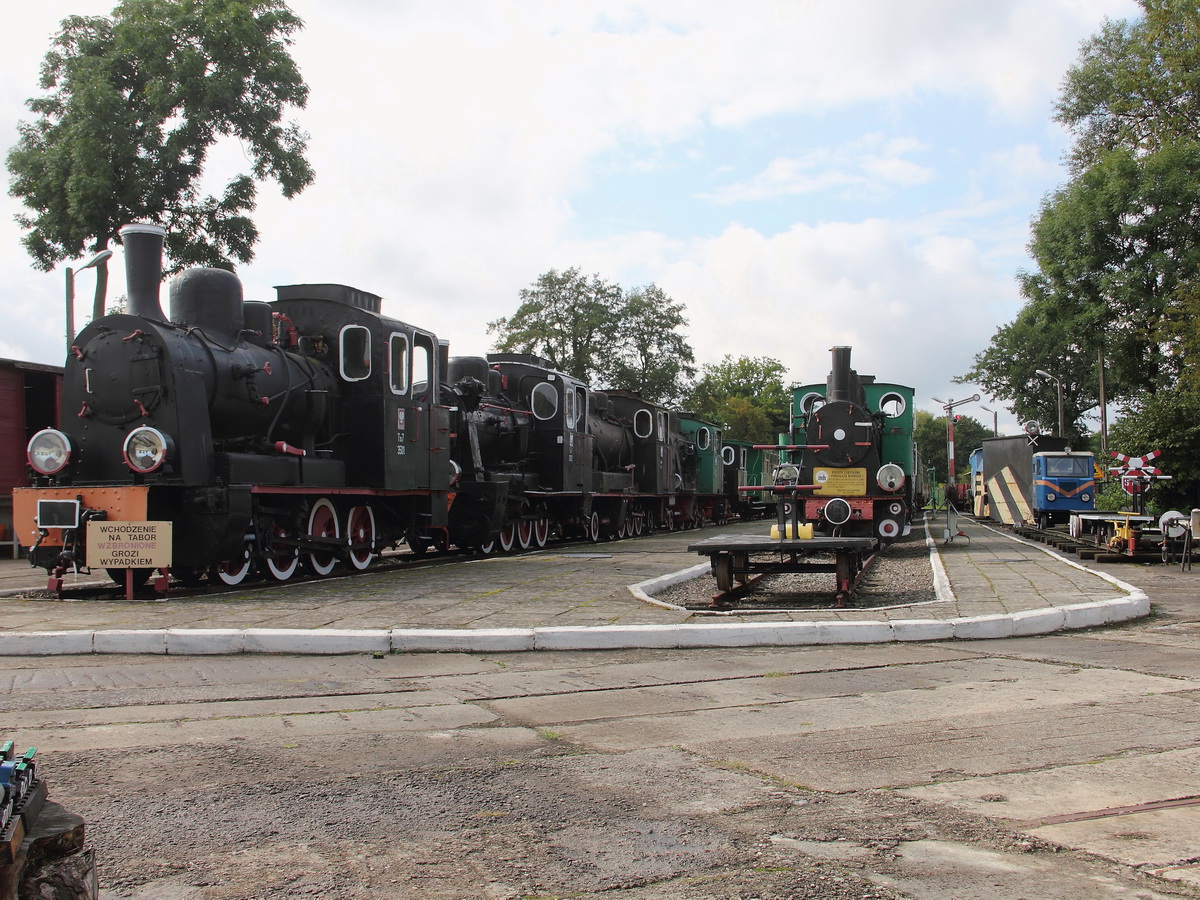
column 282, row 561
column 234, row 571
column 323, row 523
column 508, row 537
column 524, row 534
column 360, row 531
column 593, row 527
column 541, row 532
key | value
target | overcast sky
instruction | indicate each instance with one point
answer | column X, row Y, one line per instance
column 798, row 173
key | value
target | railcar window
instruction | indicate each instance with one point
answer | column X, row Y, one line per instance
column 643, row 423
column 544, row 401
column 581, row 404
column 355, row 347
column 728, row 455
column 1069, row 466
column 662, row 426
column 704, row 439
column 892, row 405
column 398, row 363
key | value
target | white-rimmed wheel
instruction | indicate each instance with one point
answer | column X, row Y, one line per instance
column 593, row 527
column 281, row 559
column 323, row 525
column 508, row 537
column 487, row 548
column 360, row 531
column 524, row 534
column 234, row 571
column 541, row 531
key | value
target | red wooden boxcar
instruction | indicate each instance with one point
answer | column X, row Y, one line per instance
column 30, row 395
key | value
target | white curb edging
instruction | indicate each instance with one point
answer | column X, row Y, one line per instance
column 210, row 641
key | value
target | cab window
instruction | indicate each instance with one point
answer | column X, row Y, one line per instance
column 398, row 362
column 354, row 347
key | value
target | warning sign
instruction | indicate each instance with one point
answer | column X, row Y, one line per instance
column 840, row 482
column 129, row 545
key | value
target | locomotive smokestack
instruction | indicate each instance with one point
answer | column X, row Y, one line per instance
column 839, row 386
column 143, row 269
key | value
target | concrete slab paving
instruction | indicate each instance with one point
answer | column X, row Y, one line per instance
column 990, row 585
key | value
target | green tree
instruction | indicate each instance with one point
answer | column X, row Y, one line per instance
column 747, row 395
column 567, row 318
column 652, row 358
column 132, row 105
column 1118, row 252
column 1136, row 85
column 1168, row 421
column 931, row 435
column 591, row 329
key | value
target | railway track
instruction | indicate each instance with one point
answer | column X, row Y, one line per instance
column 1147, row 552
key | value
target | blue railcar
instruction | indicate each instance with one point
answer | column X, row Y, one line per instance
column 1063, row 483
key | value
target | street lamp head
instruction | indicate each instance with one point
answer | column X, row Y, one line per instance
column 1045, row 373
column 96, row 260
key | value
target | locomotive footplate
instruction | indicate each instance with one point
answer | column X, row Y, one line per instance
column 736, row 558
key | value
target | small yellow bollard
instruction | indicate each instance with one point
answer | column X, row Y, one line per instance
column 803, row 531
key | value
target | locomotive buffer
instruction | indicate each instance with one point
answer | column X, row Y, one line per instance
column 736, row 558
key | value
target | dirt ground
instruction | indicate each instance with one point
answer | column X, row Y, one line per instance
column 833, row 772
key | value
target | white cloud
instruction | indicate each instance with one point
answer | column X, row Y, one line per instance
column 453, row 140
column 903, row 304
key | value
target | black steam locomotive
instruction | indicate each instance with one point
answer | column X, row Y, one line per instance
column 314, row 431
column 852, row 463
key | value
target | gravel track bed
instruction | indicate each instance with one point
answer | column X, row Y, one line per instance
column 901, row 575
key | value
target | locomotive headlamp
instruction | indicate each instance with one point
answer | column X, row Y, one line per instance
column 1086, row 498
column 787, row 474
column 48, row 451
column 890, row 477
column 1050, row 497
column 146, row 449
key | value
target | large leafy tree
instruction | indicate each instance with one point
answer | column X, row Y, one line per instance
column 566, row 318
column 653, row 357
column 593, row 330
column 1118, row 247
column 1136, row 85
column 132, row 105
column 1118, row 252
column 746, row 395
column 1168, row 421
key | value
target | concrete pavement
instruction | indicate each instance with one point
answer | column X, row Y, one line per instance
column 988, row 583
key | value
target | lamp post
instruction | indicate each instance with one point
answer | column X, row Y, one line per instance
column 995, row 421
column 71, row 273
column 1058, row 385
